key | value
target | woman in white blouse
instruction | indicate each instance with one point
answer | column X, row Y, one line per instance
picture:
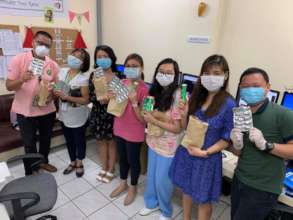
column 73, row 93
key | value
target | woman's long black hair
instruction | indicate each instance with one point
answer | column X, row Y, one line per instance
column 110, row 53
column 164, row 98
column 200, row 93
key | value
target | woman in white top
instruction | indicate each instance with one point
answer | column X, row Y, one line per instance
column 73, row 110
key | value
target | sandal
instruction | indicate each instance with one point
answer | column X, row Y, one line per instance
column 108, row 177
column 79, row 171
column 69, row 169
column 101, row 174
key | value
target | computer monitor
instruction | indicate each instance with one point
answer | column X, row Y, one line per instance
column 273, row 96
column 287, row 100
column 190, row 80
column 120, row 68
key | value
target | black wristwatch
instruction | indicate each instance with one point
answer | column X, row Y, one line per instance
column 269, row 147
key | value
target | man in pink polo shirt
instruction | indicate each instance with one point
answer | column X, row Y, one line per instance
column 26, row 83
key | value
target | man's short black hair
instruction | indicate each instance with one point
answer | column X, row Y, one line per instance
column 255, row 70
column 44, row 33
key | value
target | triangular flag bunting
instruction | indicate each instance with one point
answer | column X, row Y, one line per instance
column 87, row 16
column 79, row 17
column 79, row 42
column 71, row 15
column 28, row 40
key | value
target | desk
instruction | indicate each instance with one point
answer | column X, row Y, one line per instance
column 229, row 164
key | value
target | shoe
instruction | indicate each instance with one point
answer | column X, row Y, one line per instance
column 145, row 211
column 101, row 174
column 164, row 217
column 48, row 167
column 69, row 169
column 131, row 194
column 120, row 189
column 79, row 171
column 108, row 177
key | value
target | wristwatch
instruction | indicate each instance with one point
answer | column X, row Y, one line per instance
column 269, row 147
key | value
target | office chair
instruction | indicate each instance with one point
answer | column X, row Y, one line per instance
column 29, row 195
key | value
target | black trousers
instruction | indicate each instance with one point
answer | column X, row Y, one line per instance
column 250, row 203
column 129, row 159
column 28, row 129
column 75, row 141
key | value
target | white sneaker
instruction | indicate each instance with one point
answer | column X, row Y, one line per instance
column 164, row 218
column 145, row 211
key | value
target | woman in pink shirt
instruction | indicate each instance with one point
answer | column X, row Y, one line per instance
column 129, row 128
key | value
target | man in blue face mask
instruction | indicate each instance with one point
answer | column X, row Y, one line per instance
column 260, row 171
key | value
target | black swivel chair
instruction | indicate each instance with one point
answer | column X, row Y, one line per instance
column 29, row 195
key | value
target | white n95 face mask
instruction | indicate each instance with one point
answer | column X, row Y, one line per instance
column 212, row 83
column 42, row 51
column 165, row 79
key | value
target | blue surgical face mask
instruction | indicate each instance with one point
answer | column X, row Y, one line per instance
column 104, row 63
column 252, row 95
column 73, row 62
column 132, row 72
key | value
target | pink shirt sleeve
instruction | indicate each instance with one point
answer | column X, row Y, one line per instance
column 143, row 93
column 14, row 68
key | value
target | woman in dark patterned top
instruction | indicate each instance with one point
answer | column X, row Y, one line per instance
column 101, row 122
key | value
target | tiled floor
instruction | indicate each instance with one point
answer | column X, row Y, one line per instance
column 86, row 198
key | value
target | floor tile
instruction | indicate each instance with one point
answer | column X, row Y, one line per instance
column 226, row 214
column 68, row 211
column 133, row 208
column 153, row 216
column 61, row 200
column 90, row 176
column 218, row 209
column 95, row 158
column 62, row 179
column 110, row 212
column 91, row 202
column 58, row 163
column 75, row 188
column 89, row 164
column 107, row 188
column 226, row 199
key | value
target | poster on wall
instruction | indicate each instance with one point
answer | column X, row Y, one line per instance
column 33, row 7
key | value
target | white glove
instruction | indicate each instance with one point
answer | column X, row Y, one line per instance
column 257, row 137
column 237, row 138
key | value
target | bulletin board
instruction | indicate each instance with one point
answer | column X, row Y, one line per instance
column 63, row 42
column 14, row 28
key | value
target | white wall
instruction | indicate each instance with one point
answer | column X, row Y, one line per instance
column 89, row 30
column 259, row 33
column 157, row 29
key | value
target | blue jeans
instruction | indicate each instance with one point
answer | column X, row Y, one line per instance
column 159, row 188
column 250, row 203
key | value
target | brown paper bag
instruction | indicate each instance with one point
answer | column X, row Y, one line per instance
column 115, row 108
column 195, row 133
column 154, row 130
column 43, row 94
column 101, row 87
